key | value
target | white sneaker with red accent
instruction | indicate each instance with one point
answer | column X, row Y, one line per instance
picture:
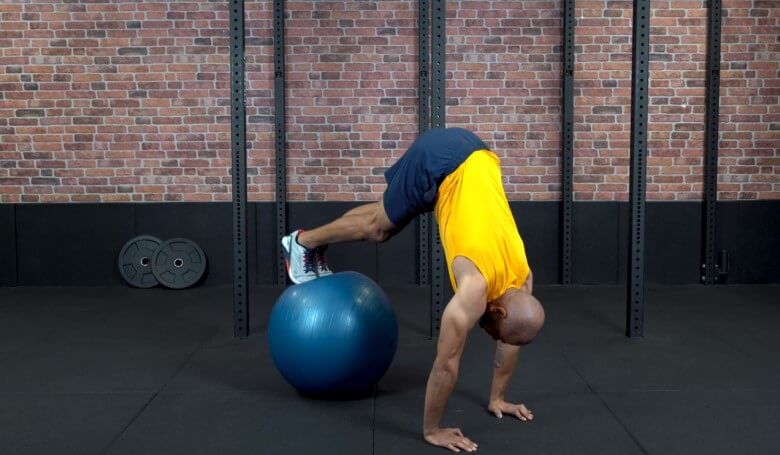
column 322, row 266
column 301, row 261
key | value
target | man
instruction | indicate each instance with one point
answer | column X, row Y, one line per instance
column 452, row 172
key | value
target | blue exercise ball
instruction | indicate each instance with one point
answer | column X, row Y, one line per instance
column 335, row 335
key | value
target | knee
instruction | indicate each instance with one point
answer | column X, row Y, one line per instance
column 381, row 235
column 376, row 230
column 376, row 233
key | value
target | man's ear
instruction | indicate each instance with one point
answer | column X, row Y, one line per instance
column 498, row 311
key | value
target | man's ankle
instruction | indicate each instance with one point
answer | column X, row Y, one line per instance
column 301, row 239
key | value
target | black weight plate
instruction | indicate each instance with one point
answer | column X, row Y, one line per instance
column 135, row 261
column 178, row 263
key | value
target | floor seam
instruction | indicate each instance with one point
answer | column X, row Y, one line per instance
column 604, row 403
column 373, row 420
column 154, row 396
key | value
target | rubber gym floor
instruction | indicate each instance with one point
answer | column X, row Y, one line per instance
column 123, row 371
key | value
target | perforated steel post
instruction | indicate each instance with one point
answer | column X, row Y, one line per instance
column 424, row 221
column 238, row 149
column 640, row 77
column 280, row 139
column 567, row 135
column 438, row 104
column 710, row 266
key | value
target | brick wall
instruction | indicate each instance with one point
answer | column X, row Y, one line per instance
column 259, row 92
column 129, row 101
column 749, row 163
column 602, row 94
column 678, row 70
column 113, row 102
column 504, row 82
column 351, row 95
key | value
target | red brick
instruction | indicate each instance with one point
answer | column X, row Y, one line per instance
column 147, row 106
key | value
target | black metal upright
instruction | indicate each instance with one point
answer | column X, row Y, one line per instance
column 238, row 149
column 640, row 77
column 710, row 266
column 567, row 141
column 280, row 139
column 438, row 104
column 424, row 221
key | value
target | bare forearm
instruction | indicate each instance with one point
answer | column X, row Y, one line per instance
column 503, row 367
column 440, row 384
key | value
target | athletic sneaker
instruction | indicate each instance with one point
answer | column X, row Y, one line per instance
column 322, row 266
column 301, row 261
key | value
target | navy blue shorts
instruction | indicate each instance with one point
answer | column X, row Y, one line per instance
column 413, row 181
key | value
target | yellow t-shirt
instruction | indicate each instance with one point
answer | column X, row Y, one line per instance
column 475, row 222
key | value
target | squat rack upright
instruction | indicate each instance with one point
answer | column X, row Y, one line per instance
column 432, row 107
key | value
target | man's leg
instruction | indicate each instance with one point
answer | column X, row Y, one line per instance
column 305, row 250
column 365, row 222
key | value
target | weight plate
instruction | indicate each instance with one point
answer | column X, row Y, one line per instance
column 135, row 260
column 178, row 263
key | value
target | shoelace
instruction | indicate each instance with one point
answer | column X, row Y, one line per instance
column 320, row 256
column 309, row 260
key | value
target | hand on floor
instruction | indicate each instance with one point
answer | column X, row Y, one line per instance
column 501, row 407
column 451, row 438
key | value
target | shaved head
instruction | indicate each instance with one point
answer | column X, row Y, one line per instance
column 515, row 318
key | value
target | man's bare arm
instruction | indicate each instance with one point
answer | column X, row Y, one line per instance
column 461, row 314
column 503, row 366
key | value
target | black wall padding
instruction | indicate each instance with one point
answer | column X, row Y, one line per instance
column 71, row 244
column 207, row 224
column 539, row 224
column 262, row 232
column 673, row 254
column 597, row 228
column 397, row 259
column 7, row 245
column 750, row 232
column 77, row 244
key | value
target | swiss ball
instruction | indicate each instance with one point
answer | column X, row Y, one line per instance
column 335, row 335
